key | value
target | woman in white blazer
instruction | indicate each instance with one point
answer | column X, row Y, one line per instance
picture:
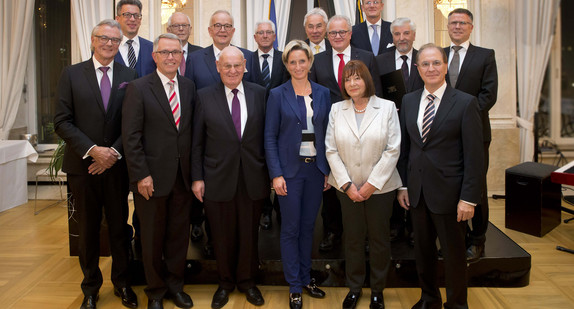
column 362, row 145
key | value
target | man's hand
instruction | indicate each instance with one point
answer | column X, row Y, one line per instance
column 353, row 194
column 280, row 186
column 198, row 189
column 145, row 187
column 403, row 197
column 464, row 211
column 367, row 190
column 104, row 156
column 326, row 185
column 95, row 168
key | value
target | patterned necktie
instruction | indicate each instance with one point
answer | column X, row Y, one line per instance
column 317, row 49
column 105, row 87
column 405, row 68
column 265, row 71
column 182, row 65
column 341, row 67
column 428, row 116
column 454, row 66
column 236, row 113
column 375, row 40
column 131, row 54
column 174, row 103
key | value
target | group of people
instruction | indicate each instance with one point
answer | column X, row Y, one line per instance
column 191, row 130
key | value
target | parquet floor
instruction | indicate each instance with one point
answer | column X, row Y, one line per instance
column 36, row 271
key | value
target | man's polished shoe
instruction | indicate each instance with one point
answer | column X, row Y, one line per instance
column 220, row 298
column 329, row 242
column 423, row 304
column 129, row 298
column 295, row 301
column 196, row 233
column 181, row 300
column 253, row 295
column 89, row 302
column 313, row 290
column 266, row 222
column 377, row 301
column 155, row 304
column 351, row 300
column 474, row 253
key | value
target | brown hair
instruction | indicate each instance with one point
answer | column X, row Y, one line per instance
column 461, row 11
column 359, row 68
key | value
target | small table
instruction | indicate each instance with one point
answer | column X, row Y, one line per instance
column 13, row 172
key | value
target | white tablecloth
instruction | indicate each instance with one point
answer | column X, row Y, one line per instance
column 13, row 172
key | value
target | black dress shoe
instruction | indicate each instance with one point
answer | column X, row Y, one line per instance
column 474, row 253
column 377, row 301
column 155, row 304
column 266, row 222
column 181, row 300
column 351, row 300
column 89, row 302
column 423, row 304
column 329, row 242
column 196, row 233
column 208, row 250
column 220, row 298
column 295, row 301
column 313, row 290
column 253, row 295
column 129, row 298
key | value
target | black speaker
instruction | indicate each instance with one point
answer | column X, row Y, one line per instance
column 532, row 200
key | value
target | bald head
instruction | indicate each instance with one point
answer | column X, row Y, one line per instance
column 231, row 66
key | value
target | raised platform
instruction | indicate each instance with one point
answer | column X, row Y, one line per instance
column 505, row 263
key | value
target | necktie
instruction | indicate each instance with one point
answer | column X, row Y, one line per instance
column 131, row 54
column 174, row 103
column 405, row 68
column 182, row 65
column 454, row 66
column 236, row 113
column 265, row 71
column 375, row 40
column 317, row 49
column 341, row 67
column 105, row 87
column 428, row 116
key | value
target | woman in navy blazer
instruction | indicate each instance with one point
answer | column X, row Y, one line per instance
column 295, row 126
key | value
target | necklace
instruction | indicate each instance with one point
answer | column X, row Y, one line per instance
column 359, row 110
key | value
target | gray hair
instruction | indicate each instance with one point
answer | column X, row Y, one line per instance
column 265, row 21
column 341, row 17
column 401, row 21
column 224, row 12
column 106, row 22
column 126, row 2
column 169, row 36
column 169, row 19
column 316, row 11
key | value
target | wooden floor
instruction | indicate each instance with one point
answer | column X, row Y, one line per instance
column 37, row 272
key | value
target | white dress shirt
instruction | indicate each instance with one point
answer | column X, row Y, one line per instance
column 399, row 60
column 269, row 60
column 424, row 102
column 346, row 56
column 461, row 53
column 307, row 149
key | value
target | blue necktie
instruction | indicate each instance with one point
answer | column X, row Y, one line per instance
column 266, row 72
column 375, row 40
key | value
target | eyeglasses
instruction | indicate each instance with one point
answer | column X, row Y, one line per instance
column 426, row 65
column 268, row 32
column 341, row 33
column 459, row 23
column 368, row 3
column 105, row 39
column 182, row 26
column 236, row 66
column 218, row 27
column 166, row 53
column 130, row 15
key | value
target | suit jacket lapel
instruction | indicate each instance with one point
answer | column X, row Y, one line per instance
column 466, row 63
column 277, row 72
column 220, row 100
column 413, row 71
column 256, row 69
column 184, row 97
column 158, row 91
column 446, row 105
column 90, row 74
column 349, row 116
column 291, row 99
column 210, row 62
column 251, row 110
column 370, row 115
column 412, row 116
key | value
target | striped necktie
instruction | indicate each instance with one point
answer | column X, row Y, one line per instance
column 131, row 54
column 265, row 71
column 174, row 103
column 428, row 117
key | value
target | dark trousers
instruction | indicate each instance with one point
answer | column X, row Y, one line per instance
column 369, row 218
column 477, row 236
column 234, row 231
column 427, row 226
column 92, row 195
column 331, row 213
column 165, row 238
column 299, row 209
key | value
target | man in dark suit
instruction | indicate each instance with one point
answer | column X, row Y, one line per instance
column 441, row 169
column 156, row 131
column 135, row 51
column 229, row 173
column 202, row 67
column 373, row 34
column 88, row 118
column 476, row 75
column 180, row 25
column 315, row 24
column 326, row 71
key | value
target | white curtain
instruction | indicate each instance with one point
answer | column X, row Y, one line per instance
column 86, row 15
column 257, row 10
column 345, row 7
column 535, row 22
column 17, row 20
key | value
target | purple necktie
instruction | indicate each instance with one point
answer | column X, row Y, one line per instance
column 105, row 87
column 405, row 68
column 236, row 113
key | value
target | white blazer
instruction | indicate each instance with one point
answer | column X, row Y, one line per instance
column 366, row 154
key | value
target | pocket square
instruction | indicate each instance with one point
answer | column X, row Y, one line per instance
column 123, row 85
